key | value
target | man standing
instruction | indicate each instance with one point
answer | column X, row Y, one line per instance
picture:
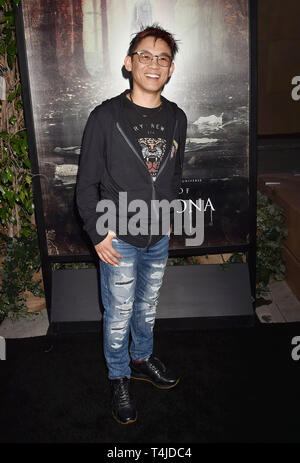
column 134, row 144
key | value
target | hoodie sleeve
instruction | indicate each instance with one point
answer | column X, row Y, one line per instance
column 91, row 167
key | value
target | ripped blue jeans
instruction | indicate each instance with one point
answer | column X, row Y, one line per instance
column 130, row 294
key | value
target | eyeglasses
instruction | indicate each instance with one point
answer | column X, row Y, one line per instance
column 146, row 57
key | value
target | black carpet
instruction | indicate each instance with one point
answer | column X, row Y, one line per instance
column 238, row 385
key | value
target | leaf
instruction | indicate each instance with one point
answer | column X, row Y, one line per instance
column 4, row 177
column 7, row 37
column 225, row 266
column 10, row 61
column 11, row 21
column 4, row 135
column 236, row 258
column 28, row 206
column 12, row 119
column 11, row 96
column 18, row 105
column 11, row 197
column 11, row 48
column 10, row 174
column 22, row 195
column 27, row 164
column 23, row 133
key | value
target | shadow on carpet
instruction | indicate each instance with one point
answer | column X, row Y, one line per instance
column 238, row 385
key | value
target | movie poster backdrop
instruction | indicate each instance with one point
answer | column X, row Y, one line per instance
column 75, row 51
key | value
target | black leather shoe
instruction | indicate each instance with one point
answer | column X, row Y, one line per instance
column 123, row 408
column 154, row 371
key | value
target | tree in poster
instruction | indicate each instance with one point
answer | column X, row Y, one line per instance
column 105, row 36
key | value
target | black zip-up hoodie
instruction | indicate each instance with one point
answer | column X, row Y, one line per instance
column 111, row 162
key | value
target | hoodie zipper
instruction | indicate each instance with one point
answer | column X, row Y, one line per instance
column 132, row 147
column 166, row 160
column 138, row 156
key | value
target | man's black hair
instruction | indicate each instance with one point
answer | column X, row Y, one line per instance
column 158, row 33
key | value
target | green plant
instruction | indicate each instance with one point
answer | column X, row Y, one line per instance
column 72, row 265
column 16, row 199
column 235, row 258
column 181, row 261
column 21, row 262
column 271, row 233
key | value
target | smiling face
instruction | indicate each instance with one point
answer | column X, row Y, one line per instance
column 150, row 77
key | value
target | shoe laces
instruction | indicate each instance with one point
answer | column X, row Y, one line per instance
column 123, row 392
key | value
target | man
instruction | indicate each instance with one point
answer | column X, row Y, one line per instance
column 134, row 144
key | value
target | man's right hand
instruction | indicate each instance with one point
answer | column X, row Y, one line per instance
column 106, row 251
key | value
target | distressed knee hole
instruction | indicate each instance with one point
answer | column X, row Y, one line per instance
column 124, row 282
column 157, row 275
column 125, row 308
column 158, row 265
column 126, row 264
